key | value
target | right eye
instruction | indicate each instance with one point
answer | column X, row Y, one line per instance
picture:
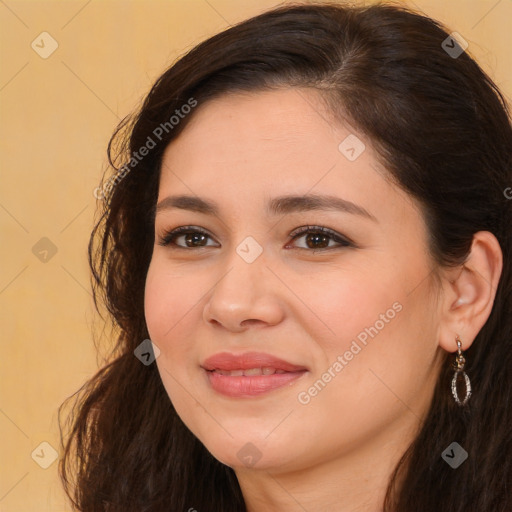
column 192, row 235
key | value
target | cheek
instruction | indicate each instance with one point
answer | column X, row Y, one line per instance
column 386, row 339
column 169, row 301
column 169, row 296
column 371, row 321
column 157, row 310
column 344, row 304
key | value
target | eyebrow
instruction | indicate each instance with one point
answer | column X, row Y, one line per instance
column 276, row 206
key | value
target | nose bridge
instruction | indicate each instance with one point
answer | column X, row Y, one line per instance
column 243, row 292
column 245, row 268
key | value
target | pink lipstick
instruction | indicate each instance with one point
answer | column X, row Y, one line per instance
column 249, row 374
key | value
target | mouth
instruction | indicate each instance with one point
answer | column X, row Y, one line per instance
column 249, row 374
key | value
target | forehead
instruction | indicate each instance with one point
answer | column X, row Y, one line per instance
column 267, row 131
column 252, row 146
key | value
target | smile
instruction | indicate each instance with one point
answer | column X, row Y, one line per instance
column 249, row 374
column 251, row 382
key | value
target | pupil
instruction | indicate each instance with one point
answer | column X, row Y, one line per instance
column 316, row 237
column 192, row 237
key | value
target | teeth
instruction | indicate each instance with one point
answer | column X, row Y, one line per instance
column 253, row 371
column 250, row 372
column 232, row 373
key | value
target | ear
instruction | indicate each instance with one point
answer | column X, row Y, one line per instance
column 469, row 292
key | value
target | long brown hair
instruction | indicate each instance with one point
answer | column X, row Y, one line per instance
column 442, row 129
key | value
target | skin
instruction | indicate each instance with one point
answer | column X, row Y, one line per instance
column 337, row 451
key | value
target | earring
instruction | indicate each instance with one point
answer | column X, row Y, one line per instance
column 458, row 366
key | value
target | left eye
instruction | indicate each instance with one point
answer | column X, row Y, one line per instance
column 316, row 238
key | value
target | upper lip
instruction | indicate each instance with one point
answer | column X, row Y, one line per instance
column 227, row 361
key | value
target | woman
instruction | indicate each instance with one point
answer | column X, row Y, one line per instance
column 309, row 220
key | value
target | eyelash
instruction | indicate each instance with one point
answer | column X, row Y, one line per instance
column 167, row 239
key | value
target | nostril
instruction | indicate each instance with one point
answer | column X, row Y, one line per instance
column 250, row 322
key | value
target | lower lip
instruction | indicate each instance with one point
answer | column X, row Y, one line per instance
column 254, row 385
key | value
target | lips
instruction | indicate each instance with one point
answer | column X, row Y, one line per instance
column 226, row 361
column 249, row 374
column 266, row 370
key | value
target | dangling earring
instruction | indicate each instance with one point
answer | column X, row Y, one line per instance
column 458, row 366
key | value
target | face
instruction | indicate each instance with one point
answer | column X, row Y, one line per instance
column 255, row 279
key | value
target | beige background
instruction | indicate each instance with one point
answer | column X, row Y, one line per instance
column 57, row 115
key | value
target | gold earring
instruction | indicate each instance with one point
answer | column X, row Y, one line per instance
column 458, row 366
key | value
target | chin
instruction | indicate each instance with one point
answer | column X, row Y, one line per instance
column 243, row 453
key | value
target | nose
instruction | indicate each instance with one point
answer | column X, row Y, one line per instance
column 246, row 295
